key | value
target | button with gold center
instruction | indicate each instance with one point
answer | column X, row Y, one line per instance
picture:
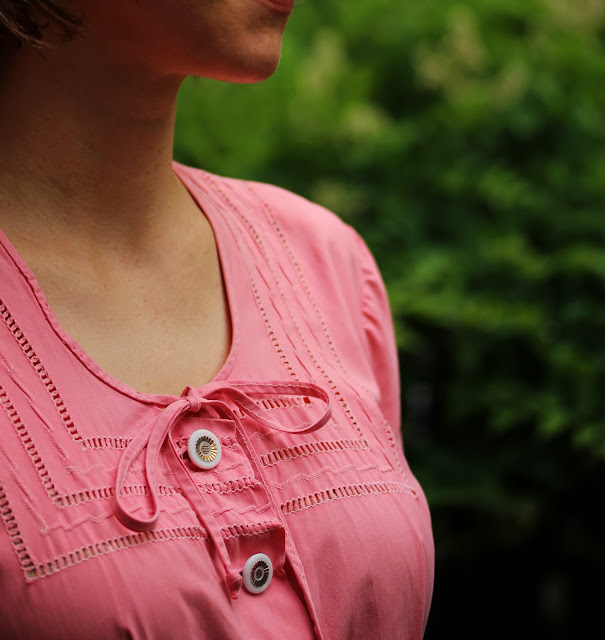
column 257, row 573
column 204, row 449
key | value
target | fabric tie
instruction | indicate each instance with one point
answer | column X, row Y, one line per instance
column 214, row 396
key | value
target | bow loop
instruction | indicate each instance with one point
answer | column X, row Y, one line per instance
column 241, row 394
column 192, row 400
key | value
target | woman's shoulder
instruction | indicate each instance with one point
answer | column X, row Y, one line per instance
column 304, row 223
column 295, row 210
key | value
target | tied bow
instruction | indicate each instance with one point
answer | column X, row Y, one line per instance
column 213, row 396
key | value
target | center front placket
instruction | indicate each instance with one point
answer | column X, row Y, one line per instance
column 213, row 397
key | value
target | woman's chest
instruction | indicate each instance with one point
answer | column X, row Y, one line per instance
column 336, row 510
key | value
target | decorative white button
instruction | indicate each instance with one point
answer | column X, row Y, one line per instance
column 204, row 449
column 257, row 573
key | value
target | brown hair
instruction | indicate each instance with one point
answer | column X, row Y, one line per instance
column 23, row 22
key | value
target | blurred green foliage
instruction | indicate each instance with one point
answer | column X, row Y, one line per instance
column 466, row 142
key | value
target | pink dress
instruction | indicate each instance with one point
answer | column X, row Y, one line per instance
column 274, row 502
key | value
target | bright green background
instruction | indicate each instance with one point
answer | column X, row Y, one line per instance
column 466, row 142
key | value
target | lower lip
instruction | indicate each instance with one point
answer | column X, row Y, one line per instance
column 284, row 6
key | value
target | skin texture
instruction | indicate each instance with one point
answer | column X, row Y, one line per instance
column 87, row 192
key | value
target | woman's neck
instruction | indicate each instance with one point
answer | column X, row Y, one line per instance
column 86, row 147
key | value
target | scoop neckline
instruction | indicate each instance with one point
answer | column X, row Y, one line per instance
column 206, row 200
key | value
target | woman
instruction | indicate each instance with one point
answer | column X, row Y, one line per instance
column 199, row 388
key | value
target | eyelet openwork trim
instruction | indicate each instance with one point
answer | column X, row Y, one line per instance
column 29, row 446
column 348, row 491
column 34, row 570
column 69, row 499
column 230, row 486
column 310, row 448
column 106, row 493
column 105, row 442
column 35, row 362
column 254, row 529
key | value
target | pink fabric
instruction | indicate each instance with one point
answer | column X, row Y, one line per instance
column 306, row 408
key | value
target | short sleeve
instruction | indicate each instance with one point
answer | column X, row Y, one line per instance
column 379, row 337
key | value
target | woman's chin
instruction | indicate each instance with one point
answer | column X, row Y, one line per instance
column 260, row 71
column 247, row 67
